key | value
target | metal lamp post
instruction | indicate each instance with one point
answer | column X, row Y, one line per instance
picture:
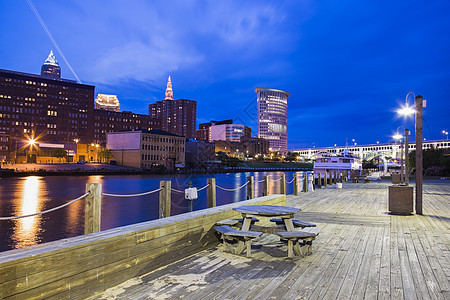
column 407, row 110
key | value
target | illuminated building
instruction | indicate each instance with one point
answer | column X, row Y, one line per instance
column 147, row 149
column 53, row 109
column 169, row 91
column 176, row 116
column 51, row 68
column 107, row 102
column 228, row 132
column 272, row 117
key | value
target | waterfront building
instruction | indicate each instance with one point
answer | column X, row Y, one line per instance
column 51, row 68
column 200, row 154
column 107, row 102
column 147, row 149
column 272, row 117
column 392, row 150
column 176, row 116
column 255, row 146
column 48, row 109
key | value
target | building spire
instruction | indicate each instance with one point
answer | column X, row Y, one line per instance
column 169, row 91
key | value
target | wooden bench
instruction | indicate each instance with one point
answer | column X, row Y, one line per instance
column 294, row 237
column 243, row 237
column 296, row 223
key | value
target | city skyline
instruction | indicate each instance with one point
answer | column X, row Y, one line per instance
column 347, row 66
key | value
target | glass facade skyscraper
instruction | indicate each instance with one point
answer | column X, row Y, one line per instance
column 272, row 117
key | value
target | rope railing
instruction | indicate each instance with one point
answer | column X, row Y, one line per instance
column 289, row 182
column 276, row 180
column 232, row 190
column 133, row 195
column 198, row 190
column 259, row 180
column 45, row 211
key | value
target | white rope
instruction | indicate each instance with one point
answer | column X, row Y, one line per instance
column 45, row 211
column 133, row 195
column 232, row 190
column 276, row 180
column 198, row 190
column 289, row 182
column 259, row 180
column 177, row 191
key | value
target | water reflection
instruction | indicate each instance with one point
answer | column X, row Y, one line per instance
column 28, row 202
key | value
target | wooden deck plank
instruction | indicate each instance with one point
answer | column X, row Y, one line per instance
column 361, row 253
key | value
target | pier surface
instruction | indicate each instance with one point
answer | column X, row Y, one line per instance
column 362, row 252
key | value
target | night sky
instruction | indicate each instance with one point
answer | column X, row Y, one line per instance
column 347, row 64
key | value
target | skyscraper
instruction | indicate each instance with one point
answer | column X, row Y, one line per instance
column 51, row 68
column 176, row 116
column 272, row 117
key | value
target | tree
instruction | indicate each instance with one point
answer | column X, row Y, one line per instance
column 59, row 153
column 105, row 155
column 434, row 162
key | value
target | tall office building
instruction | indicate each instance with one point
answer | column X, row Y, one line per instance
column 51, row 68
column 272, row 117
column 176, row 116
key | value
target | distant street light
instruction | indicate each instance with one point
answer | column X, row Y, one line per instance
column 444, row 133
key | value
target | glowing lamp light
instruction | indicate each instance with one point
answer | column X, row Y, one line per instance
column 31, row 142
column 397, row 136
column 406, row 110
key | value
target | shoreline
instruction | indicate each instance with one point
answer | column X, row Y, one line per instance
column 73, row 169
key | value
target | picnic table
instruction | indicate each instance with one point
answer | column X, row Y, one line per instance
column 285, row 214
column 253, row 211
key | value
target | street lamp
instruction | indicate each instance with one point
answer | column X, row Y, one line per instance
column 444, row 133
column 407, row 110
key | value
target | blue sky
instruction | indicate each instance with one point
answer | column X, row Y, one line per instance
column 347, row 64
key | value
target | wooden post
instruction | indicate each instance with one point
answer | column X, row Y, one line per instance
column 250, row 187
column 211, row 192
column 265, row 190
column 305, row 182
column 164, row 199
column 295, row 184
column 325, row 180
column 419, row 154
column 283, row 184
column 330, row 178
column 93, row 208
column 319, row 177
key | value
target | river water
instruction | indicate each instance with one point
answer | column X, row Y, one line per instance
column 28, row 195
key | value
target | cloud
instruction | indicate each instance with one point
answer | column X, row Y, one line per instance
column 142, row 41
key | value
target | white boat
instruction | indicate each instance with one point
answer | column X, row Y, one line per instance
column 341, row 162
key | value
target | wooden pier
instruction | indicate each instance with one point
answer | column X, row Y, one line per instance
column 362, row 252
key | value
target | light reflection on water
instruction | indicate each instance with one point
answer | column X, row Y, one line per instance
column 28, row 202
column 21, row 196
